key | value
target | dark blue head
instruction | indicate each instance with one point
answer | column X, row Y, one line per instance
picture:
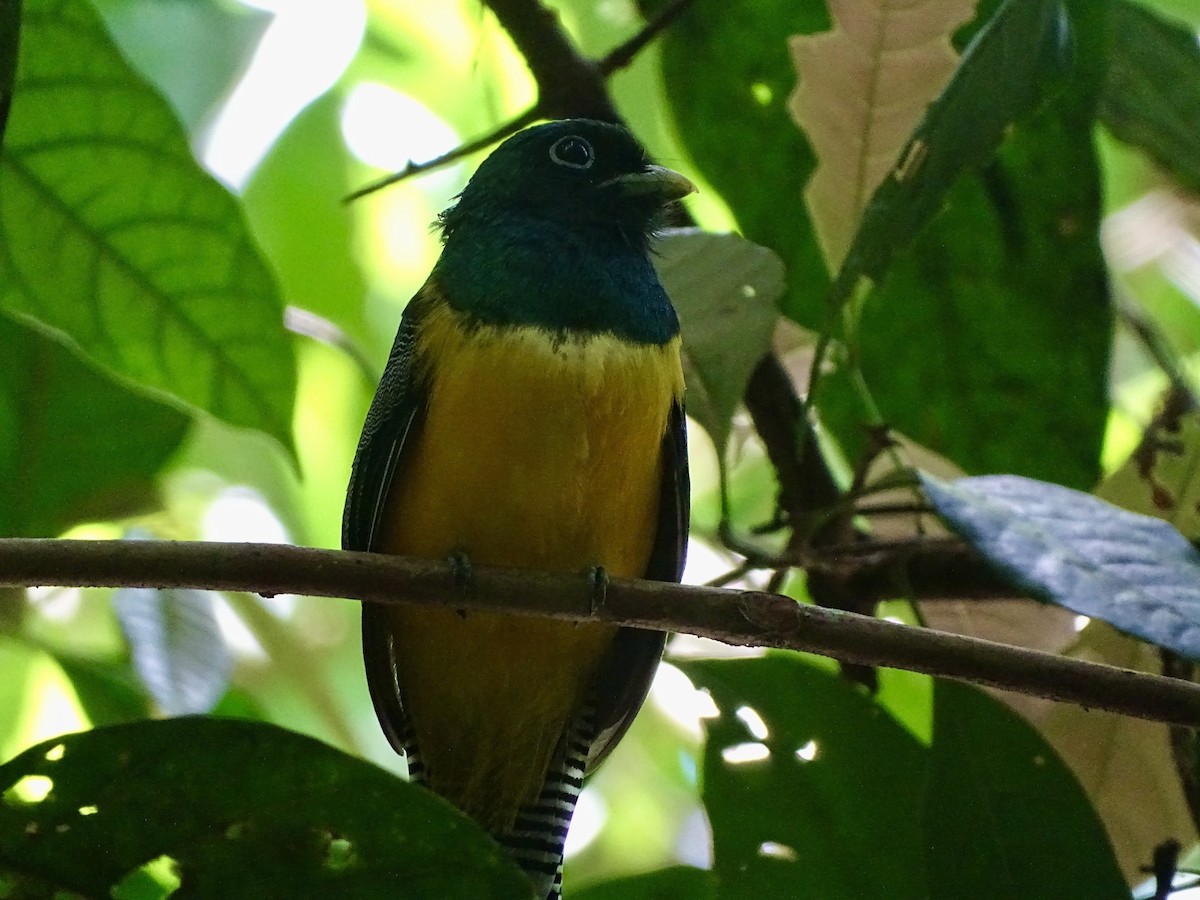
column 553, row 230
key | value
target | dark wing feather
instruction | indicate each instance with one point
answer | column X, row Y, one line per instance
column 392, row 423
column 628, row 668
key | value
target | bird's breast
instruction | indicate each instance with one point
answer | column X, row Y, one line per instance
column 536, row 451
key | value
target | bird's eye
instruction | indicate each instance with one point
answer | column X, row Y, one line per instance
column 573, row 152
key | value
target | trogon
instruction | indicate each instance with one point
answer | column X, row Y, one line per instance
column 531, row 414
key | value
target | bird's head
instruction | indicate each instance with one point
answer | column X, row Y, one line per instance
column 573, row 173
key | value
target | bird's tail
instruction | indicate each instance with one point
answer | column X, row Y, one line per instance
column 539, row 834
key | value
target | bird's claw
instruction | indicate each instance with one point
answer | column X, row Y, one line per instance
column 598, row 579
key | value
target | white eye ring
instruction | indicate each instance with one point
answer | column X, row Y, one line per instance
column 566, row 152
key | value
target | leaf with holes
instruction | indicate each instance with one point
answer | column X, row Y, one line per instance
column 243, row 809
column 803, row 773
column 1070, row 548
column 725, row 289
column 113, row 237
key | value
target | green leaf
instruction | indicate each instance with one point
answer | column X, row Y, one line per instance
column 1133, row 571
column 112, row 237
column 838, row 826
column 733, row 120
column 991, row 335
column 725, row 289
column 1150, row 97
column 74, row 445
column 178, row 651
column 1004, row 817
column 675, row 883
column 245, row 810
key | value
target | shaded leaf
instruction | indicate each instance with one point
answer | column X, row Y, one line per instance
column 113, row 237
column 1004, row 817
column 74, row 445
column 675, row 883
column 1150, row 98
column 863, row 87
column 1073, row 549
column 177, row 647
column 244, row 810
column 826, row 807
column 725, row 289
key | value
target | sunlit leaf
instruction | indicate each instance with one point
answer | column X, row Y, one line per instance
column 244, row 810
column 1073, row 549
column 1004, row 817
column 74, row 444
column 1150, row 98
column 863, row 88
column 833, row 779
column 108, row 691
column 112, row 237
column 725, row 289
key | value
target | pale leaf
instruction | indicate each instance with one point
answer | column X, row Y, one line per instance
column 863, row 88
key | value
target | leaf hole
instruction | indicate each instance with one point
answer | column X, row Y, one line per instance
column 154, row 880
column 741, row 754
column 88, row 810
column 55, row 753
column 776, row 850
column 30, row 789
column 339, row 854
column 762, row 93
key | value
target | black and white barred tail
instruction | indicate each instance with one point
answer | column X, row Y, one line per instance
column 537, row 838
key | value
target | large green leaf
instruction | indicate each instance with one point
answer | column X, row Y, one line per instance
column 1151, row 97
column 1070, row 548
column 112, row 236
column 827, row 811
column 1003, row 815
column 245, row 810
column 988, row 340
column 74, row 445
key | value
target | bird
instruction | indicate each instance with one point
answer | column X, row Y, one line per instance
column 530, row 415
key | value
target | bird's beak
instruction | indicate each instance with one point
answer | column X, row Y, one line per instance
column 658, row 181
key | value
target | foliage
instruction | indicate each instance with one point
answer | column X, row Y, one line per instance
column 149, row 380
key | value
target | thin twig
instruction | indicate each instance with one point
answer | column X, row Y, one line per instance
column 748, row 618
column 481, row 143
column 623, row 54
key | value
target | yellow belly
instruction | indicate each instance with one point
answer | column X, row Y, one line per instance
column 532, row 455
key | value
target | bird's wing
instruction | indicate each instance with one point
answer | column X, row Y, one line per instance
column 391, row 427
column 628, row 668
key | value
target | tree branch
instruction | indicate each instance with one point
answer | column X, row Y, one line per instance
column 745, row 618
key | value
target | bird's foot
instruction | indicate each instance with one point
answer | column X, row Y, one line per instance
column 462, row 574
column 598, row 579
